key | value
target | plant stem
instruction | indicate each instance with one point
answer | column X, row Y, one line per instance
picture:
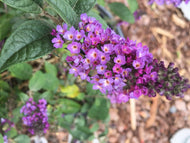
column 132, row 112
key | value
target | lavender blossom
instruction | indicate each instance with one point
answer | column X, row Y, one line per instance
column 35, row 116
column 120, row 68
column 5, row 139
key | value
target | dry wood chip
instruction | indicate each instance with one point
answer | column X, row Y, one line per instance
column 153, row 112
column 162, row 32
column 178, row 21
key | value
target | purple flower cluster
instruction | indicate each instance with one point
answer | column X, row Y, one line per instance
column 5, row 139
column 174, row 2
column 35, row 116
column 121, row 69
column 169, row 83
column 7, row 122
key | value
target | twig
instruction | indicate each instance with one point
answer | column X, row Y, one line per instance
column 162, row 32
column 132, row 112
column 153, row 112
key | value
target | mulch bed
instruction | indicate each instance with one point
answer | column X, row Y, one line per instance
column 166, row 32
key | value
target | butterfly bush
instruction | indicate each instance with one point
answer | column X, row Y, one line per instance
column 174, row 2
column 35, row 116
column 120, row 68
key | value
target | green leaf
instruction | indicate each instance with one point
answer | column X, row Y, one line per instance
column 71, row 2
column 66, row 121
column 95, row 15
column 17, row 21
column 68, row 106
column 4, row 92
column 39, row 2
column 94, row 127
column 46, row 95
column 100, row 109
column 5, row 26
column 122, row 11
column 3, row 111
column 51, row 82
column 4, row 85
column 12, row 133
column 16, row 115
column 24, row 5
column 22, row 139
column 45, row 81
column 91, row 91
column 50, row 11
column 50, row 68
column 64, row 53
column 21, row 71
column 37, row 81
column 81, row 132
column 65, row 11
column 80, row 96
column 68, row 118
column 80, row 121
column 23, row 97
column 85, row 107
column 30, row 41
column 133, row 5
column 1, row 138
column 101, row 2
column 83, row 6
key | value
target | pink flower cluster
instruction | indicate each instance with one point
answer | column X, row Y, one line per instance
column 35, row 116
column 121, row 69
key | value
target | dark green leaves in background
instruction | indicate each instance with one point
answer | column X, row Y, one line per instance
column 122, row 11
column 65, row 11
column 4, row 92
column 30, row 41
column 24, row 5
column 83, row 6
column 5, row 26
column 70, row 10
